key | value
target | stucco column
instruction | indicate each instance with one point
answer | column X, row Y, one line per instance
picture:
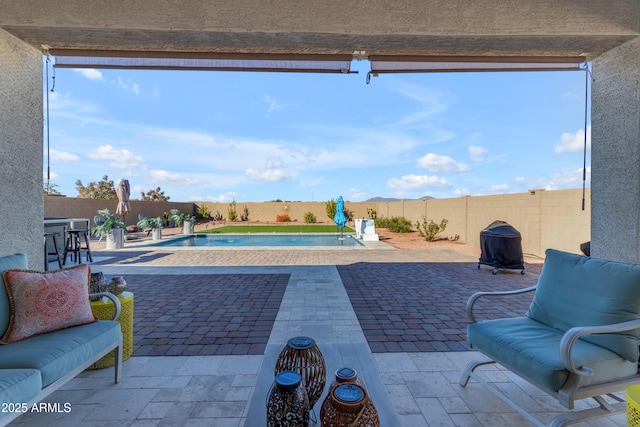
column 615, row 154
column 21, row 210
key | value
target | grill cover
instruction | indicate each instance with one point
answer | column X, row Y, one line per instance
column 501, row 246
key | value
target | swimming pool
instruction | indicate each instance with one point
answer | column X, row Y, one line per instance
column 279, row 239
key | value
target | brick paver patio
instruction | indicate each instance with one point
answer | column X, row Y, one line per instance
column 405, row 301
column 200, row 315
column 408, row 307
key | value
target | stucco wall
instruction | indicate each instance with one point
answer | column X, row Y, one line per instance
column 21, row 149
column 563, row 223
column 546, row 219
column 615, row 174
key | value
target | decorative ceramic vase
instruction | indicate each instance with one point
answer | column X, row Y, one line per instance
column 288, row 403
column 117, row 285
column 302, row 355
column 348, row 405
column 97, row 283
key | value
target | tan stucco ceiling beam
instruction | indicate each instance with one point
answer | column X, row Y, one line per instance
column 552, row 28
column 188, row 44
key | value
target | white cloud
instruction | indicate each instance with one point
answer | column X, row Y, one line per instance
column 564, row 180
column 230, row 153
column 417, row 182
column 269, row 175
column 119, row 159
column 222, row 197
column 90, row 73
column 62, row 156
column 163, row 176
column 356, row 195
column 497, row 188
column 477, row 153
column 436, row 163
column 431, row 104
column 129, row 85
column 461, row 191
column 275, row 164
column 429, row 99
column 570, row 142
column 272, row 104
column 52, row 175
column 520, row 179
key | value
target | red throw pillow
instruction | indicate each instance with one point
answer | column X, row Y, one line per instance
column 46, row 301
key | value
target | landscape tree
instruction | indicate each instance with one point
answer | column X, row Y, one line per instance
column 51, row 189
column 232, row 211
column 103, row 189
column 152, row 195
column 330, row 208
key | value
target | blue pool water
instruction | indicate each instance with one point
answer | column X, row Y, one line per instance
column 223, row 240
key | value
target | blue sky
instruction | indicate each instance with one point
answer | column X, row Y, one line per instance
column 222, row 136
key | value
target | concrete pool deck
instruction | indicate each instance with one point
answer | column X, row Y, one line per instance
column 409, row 388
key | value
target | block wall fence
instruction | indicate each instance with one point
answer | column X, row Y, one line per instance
column 545, row 219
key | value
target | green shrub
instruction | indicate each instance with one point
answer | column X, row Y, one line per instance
column 397, row 224
column 309, row 218
column 244, row 216
column 203, row 212
column 429, row 229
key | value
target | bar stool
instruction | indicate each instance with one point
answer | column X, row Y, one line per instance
column 77, row 242
column 48, row 253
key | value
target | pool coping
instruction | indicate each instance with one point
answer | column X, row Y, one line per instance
column 145, row 245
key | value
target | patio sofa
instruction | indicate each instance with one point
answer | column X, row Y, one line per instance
column 34, row 366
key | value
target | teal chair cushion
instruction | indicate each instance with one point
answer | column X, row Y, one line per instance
column 575, row 290
column 57, row 353
column 16, row 261
column 531, row 349
column 18, row 386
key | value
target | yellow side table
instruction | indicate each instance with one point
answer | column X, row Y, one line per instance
column 103, row 309
column 633, row 406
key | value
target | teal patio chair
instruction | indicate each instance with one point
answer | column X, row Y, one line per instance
column 578, row 340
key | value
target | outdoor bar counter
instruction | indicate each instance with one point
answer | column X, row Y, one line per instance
column 59, row 227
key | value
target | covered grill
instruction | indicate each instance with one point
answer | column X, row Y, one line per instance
column 501, row 246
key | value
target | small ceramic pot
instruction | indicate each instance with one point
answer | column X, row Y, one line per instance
column 117, row 285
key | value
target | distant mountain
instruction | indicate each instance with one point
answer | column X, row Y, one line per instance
column 391, row 199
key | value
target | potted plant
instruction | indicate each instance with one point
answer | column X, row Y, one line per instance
column 187, row 221
column 153, row 224
column 110, row 226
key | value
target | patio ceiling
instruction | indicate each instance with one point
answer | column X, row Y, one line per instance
column 505, row 30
